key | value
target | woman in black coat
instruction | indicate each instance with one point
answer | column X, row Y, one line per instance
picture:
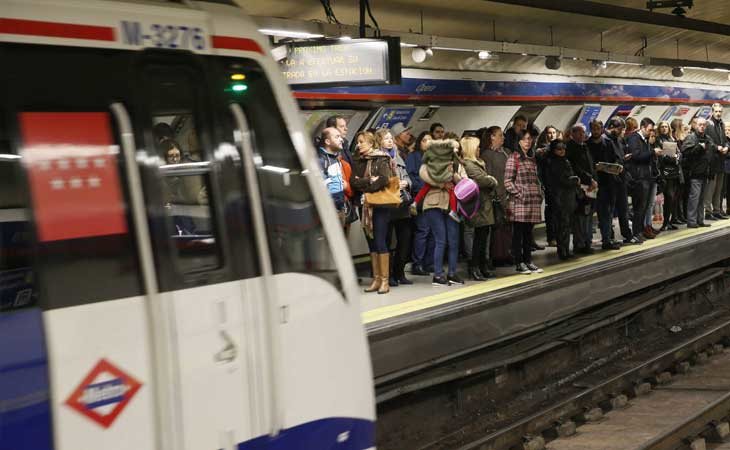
column 562, row 187
column 670, row 173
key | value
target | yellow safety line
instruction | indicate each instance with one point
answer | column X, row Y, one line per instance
column 387, row 312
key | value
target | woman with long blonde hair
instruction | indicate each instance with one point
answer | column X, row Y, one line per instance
column 482, row 221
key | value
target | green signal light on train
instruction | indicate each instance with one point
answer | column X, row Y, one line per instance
column 239, row 87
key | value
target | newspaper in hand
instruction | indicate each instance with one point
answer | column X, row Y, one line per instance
column 613, row 169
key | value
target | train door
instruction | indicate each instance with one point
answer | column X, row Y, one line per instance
column 80, row 292
column 207, row 262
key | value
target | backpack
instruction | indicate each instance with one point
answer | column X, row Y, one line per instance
column 467, row 195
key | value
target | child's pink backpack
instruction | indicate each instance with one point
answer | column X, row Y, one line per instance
column 467, row 194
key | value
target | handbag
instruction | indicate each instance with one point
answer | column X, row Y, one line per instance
column 387, row 197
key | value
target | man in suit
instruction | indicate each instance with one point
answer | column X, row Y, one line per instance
column 715, row 132
column 640, row 170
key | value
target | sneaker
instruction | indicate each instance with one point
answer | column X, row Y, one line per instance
column 453, row 215
column 611, row 246
column 533, row 268
column 523, row 269
column 720, row 216
column 454, row 279
column 440, row 281
column 709, row 216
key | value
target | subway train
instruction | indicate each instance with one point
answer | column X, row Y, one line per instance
column 466, row 101
column 172, row 272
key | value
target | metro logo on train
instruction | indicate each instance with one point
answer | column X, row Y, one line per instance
column 104, row 393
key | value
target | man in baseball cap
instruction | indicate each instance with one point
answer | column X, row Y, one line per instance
column 402, row 137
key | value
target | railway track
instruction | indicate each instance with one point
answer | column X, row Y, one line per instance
column 627, row 355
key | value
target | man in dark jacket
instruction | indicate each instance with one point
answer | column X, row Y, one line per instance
column 606, row 148
column 582, row 163
column 641, row 175
column 696, row 166
column 715, row 132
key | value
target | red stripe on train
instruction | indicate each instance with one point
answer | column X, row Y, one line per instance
column 56, row 29
column 236, row 43
column 491, row 98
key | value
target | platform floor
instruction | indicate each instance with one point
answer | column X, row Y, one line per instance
column 422, row 294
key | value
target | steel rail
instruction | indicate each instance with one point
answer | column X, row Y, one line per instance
column 693, row 426
column 544, row 419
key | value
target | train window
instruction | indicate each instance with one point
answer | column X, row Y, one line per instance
column 18, row 288
column 84, row 250
column 295, row 233
column 186, row 177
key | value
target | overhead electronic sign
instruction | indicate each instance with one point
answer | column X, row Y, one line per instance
column 357, row 62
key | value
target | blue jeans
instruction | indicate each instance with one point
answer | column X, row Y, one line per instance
column 650, row 207
column 445, row 231
column 422, row 242
column 381, row 227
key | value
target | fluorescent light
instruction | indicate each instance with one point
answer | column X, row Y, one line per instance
column 711, row 69
column 484, row 54
column 290, row 34
column 403, row 44
column 624, row 63
column 345, row 38
column 523, row 54
column 454, row 49
column 8, row 156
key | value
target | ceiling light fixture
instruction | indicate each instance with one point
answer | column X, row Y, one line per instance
column 484, row 54
column 290, row 34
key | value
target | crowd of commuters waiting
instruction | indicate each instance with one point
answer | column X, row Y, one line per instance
column 480, row 196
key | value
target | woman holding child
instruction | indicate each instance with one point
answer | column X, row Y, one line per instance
column 440, row 172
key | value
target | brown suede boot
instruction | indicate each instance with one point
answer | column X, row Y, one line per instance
column 375, row 262
column 384, row 273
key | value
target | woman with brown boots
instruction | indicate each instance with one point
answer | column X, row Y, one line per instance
column 371, row 172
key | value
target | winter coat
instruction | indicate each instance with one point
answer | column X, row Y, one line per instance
column 477, row 171
column 413, row 165
column 695, row 163
column 332, row 172
column 669, row 168
column 496, row 162
column 523, row 186
column 400, row 168
column 438, row 158
column 380, row 167
column 438, row 196
column 581, row 161
column 642, row 156
column 561, row 187
column 608, row 150
column 715, row 132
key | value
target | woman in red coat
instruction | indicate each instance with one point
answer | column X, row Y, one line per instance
column 524, row 207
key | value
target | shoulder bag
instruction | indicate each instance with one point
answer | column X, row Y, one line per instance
column 386, row 197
